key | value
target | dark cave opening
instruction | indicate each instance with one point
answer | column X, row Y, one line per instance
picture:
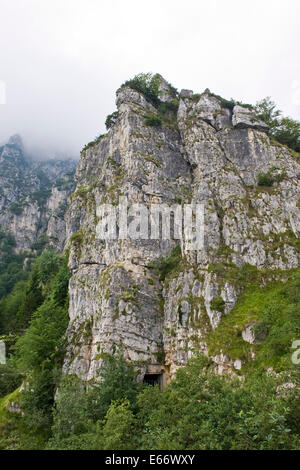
column 152, row 379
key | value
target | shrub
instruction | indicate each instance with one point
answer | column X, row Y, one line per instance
column 93, row 142
column 285, row 130
column 288, row 133
column 16, row 208
column 111, row 119
column 165, row 265
column 147, row 84
column 119, row 381
column 217, row 304
column 119, row 430
column 265, row 179
column 77, row 238
column 69, row 415
column 152, row 120
column 11, row 264
column 269, row 178
column 10, row 379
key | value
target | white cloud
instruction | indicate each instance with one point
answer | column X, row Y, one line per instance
column 62, row 60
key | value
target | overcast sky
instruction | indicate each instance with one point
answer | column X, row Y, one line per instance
column 61, row 61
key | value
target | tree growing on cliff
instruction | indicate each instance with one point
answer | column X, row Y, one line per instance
column 285, row 130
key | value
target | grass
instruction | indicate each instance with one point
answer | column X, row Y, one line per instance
column 275, row 309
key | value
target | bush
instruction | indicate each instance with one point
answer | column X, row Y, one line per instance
column 147, row 84
column 201, row 410
column 165, row 265
column 285, row 130
column 111, row 119
column 288, row 133
column 10, row 379
column 93, row 142
column 119, row 381
column 269, row 178
column 11, row 265
column 119, row 430
column 217, row 304
column 265, row 179
column 16, row 209
column 69, row 415
column 152, row 120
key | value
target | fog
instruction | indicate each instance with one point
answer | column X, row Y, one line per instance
column 61, row 61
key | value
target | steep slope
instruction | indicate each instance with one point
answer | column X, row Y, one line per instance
column 33, row 196
column 143, row 295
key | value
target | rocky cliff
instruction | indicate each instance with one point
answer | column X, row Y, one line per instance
column 186, row 147
column 33, row 197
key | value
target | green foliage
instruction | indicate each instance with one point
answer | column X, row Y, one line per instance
column 288, row 133
column 269, row 178
column 217, row 304
column 44, row 269
column 163, row 266
column 118, row 383
column 285, row 130
column 16, row 208
column 266, row 110
column 9, row 305
column 152, row 120
column 93, row 142
column 200, row 410
column 49, row 321
column 274, row 311
column 40, row 341
column 70, row 411
column 229, row 104
column 111, row 119
column 41, row 196
column 119, row 430
column 265, row 179
column 10, row 379
column 93, row 414
column 77, row 238
column 11, row 265
column 147, row 84
column 40, row 244
column 166, row 114
column 39, row 351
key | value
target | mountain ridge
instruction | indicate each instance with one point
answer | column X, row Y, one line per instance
column 163, row 147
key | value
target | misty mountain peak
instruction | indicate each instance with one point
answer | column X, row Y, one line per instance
column 16, row 140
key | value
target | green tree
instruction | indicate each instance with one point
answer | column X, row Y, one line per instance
column 147, row 84
column 266, row 110
column 285, row 130
column 288, row 133
column 119, row 430
column 118, row 381
column 70, row 410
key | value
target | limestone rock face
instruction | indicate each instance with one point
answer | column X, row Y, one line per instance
column 33, row 196
column 209, row 155
column 244, row 118
column 251, row 336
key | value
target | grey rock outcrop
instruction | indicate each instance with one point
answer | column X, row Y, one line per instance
column 33, row 196
column 244, row 118
column 116, row 299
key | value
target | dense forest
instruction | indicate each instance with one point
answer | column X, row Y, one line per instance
column 41, row 409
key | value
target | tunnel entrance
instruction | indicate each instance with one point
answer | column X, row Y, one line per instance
column 153, row 379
